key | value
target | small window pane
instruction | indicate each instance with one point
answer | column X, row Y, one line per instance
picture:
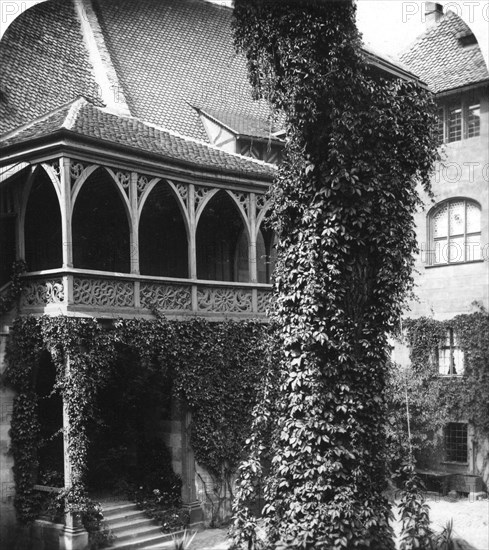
column 457, row 221
column 473, row 121
column 440, row 127
column 440, row 251
column 456, row 250
column 440, row 222
column 444, row 361
column 455, row 124
column 473, row 218
column 458, row 361
column 456, row 442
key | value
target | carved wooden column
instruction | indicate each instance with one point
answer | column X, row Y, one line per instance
column 74, row 536
column 253, row 266
column 66, row 228
column 192, row 249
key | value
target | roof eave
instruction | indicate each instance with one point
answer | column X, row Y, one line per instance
column 464, row 88
column 392, row 69
column 63, row 138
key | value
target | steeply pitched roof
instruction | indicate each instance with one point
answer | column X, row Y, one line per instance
column 171, row 55
column 85, row 119
column 44, row 64
column 439, row 58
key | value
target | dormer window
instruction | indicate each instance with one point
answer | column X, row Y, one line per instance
column 466, row 38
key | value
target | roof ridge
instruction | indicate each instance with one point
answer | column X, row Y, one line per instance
column 73, row 112
column 45, row 116
column 184, row 137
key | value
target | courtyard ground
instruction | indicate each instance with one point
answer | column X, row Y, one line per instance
column 470, row 524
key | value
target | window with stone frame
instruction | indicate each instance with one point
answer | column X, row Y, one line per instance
column 456, row 444
column 455, row 232
column 450, row 356
column 459, row 121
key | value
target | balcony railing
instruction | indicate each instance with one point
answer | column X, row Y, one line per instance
column 114, row 294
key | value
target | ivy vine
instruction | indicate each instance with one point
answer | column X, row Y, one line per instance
column 13, row 291
column 463, row 397
column 216, row 370
column 358, row 145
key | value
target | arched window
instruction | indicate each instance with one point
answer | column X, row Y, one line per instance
column 455, row 232
column 100, row 226
column 42, row 226
column 266, row 253
column 222, row 242
column 163, row 247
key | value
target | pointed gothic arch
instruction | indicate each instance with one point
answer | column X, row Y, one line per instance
column 163, row 234
column 222, row 241
column 100, row 225
column 42, row 223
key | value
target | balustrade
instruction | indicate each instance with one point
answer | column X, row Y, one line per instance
column 85, row 291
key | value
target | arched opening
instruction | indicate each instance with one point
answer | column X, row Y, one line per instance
column 266, row 252
column 100, row 226
column 42, row 225
column 163, row 246
column 50, row 411
column 222, row 242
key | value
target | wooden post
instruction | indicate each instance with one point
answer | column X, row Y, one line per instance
column 66, row 211
column 73, row 536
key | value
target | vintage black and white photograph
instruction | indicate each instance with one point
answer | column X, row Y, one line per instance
column 244, row 275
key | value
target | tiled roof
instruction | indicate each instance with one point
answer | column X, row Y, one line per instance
column 244, row 125
column 43, row 64
column 439, row 58
column 171, row 55
column 85, row 119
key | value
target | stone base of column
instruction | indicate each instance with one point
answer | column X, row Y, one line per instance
column 73, row 538
column 196, row 514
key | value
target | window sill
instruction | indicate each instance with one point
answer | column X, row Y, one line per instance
column 449, row 375
column 453, row 463
column 434, row 266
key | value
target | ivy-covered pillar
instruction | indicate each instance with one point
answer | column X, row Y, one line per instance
column 74, row 536
column 189, row 494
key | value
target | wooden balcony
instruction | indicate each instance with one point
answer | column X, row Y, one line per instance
column 113, row 295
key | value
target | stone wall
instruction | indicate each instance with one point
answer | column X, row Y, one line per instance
column 7, row 487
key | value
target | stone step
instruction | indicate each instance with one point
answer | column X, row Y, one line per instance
column 130, row 524
column 132, row 533
column 115, row 508
column 125, row 517
column 155, row 541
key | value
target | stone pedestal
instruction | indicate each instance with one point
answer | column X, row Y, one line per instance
column 196, row 513
column 73, row 536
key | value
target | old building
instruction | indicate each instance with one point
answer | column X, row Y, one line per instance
column 133, row 170
column 453, row 229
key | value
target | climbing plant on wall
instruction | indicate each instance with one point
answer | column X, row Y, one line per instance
column 343, row 201
column 216, row 370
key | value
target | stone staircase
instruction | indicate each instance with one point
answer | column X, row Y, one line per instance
column 132, row 528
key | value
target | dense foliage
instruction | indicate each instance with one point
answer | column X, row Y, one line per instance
column 12, row 292
column 215, row 368
column 357, row 147
column 435, row 400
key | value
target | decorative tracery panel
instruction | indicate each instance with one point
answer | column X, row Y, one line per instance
column 224, row 300
column 200, row 195
column 264, row 301
column 103, row 292
column 42, row 293
column 76, row 170
column 243, row 199
column 166, row 297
